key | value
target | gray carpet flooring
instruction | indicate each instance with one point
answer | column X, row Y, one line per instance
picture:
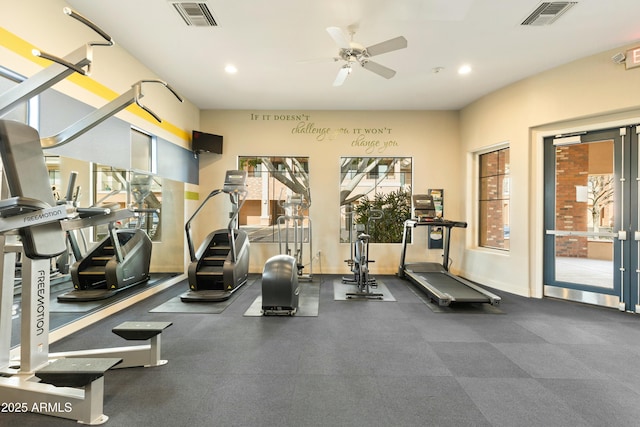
column 366, row 363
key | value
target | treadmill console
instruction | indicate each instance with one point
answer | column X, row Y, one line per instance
column 423, row 207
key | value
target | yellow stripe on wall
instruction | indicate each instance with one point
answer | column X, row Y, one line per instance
column 24, row 49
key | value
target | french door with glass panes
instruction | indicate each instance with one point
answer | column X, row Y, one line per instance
column 591, row 218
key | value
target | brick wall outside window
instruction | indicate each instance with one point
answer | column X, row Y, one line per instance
column 494, row 199
column 572, row 170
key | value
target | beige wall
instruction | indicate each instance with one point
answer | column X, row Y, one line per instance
column 431, row 138
column 590, row 93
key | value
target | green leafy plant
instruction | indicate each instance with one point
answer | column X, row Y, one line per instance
column 395, row 207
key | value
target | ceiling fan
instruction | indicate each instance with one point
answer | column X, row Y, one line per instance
column 353, row 53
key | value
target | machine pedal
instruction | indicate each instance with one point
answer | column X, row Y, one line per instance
column 75, row 372
column 140, row 331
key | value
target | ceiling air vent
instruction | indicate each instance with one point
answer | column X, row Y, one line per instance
column 194, row 13
column 547, row 13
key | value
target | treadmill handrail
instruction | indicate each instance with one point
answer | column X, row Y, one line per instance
column 435, row 222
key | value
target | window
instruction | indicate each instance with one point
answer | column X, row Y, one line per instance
column 26, row 111
column 600, row 198
column 271, row 181
column 493, row 209
column 142, row 151
column 381, row 183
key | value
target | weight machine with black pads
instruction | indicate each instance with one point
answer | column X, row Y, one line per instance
column 71, row 384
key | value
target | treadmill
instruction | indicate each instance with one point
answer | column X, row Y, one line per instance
column 434, row 278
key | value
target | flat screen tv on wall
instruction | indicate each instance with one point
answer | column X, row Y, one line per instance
column 202, row 142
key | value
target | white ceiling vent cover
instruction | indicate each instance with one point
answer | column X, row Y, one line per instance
column 194, row 13
column 548, row 12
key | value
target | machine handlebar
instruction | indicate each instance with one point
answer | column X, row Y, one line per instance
column 297, row 201
column 108, row 42
column 138, row 94
column 75, row 15
column 436, row 222
column 58, row 60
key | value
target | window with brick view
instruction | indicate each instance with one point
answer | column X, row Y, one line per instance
column 494, row 199
column 270, row 181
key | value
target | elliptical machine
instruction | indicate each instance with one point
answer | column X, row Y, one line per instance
column 282, row 273
column 359, row 261
column 294, row 207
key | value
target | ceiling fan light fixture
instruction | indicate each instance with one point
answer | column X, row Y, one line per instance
column 352, row 52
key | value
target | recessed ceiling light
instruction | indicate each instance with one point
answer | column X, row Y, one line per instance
column 465, row 69
column 231, row 69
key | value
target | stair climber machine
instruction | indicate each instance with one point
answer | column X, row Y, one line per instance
column 220, row 266
column 433, row 278
column 119, row 261
column 359, row 261
column 71, row 384
column 282, row 273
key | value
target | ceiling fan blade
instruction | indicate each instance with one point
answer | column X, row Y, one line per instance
column 339, row 37
column 387, row 46
column 342, row 75
column 380, row 70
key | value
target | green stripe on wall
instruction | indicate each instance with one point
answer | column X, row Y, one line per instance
column 191, row 195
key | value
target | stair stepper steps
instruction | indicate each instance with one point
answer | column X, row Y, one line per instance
column 212, row 262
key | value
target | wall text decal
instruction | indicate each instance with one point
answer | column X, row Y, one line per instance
column 371, row 139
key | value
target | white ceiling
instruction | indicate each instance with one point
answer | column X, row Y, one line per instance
column 284, row 54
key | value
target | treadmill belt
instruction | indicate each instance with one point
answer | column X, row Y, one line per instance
column 447, row 284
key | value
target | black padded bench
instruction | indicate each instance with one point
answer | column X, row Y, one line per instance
column 144, row 355
column 75, row 372
column 140, row 331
